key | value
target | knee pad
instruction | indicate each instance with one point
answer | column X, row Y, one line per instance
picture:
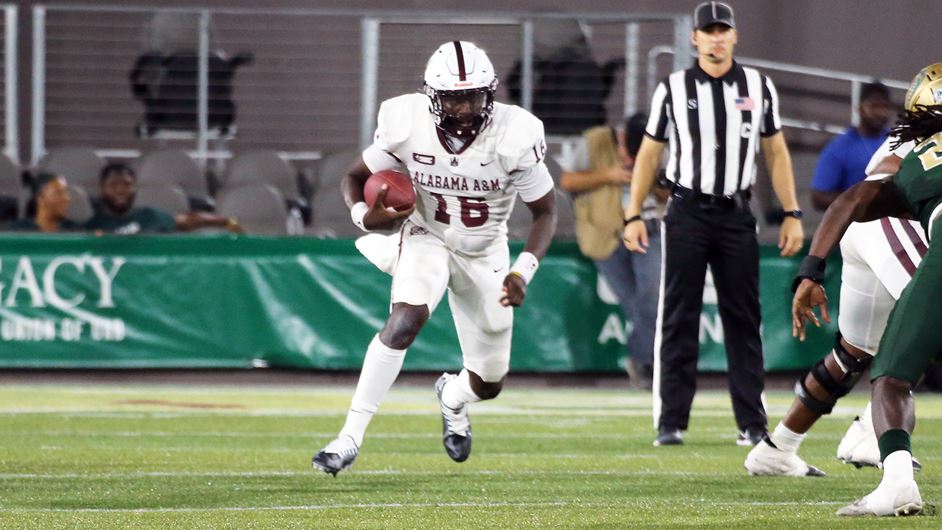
column 852, row 368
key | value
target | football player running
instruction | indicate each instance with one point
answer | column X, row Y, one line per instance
column 469, row 157
column 872, row 277
column 911, row 339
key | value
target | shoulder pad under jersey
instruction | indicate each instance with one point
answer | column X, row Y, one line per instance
column 397, row 116
column 520, row 140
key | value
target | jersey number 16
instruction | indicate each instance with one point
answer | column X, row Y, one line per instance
column 474, row 211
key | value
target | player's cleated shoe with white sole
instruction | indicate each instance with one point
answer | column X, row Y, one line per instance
column 859, row 447
column 337, row 456
column 904, row 500
column 456, row 426
column 767, row 460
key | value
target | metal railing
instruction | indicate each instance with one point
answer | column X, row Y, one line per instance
column 371, row 28
column 855, row 80
column 272, row 111
column 303, row 95
column 11, row 146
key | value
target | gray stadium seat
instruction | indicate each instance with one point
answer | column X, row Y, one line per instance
column 263, row 166
column 260, row 208
column 173, row 166
column 554, row 169
column 565, row 217
column 518, row 226
column 331, row 216
column 80, row 209
column 11, row 190
column 79, row 165
column 169, row 198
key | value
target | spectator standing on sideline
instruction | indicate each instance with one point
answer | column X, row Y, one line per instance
column 51, row 200
column 715, row 115
column 599, row 176
column 117, row 213
column 844, row 161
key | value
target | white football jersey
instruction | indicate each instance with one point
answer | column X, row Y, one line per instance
column 884, row 151
column 465, row 197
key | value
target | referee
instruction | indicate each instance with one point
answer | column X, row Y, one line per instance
column 715, row 117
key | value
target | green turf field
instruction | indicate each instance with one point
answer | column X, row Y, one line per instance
column 103, row 456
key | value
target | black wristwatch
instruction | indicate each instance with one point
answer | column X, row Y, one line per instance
column 797, row 214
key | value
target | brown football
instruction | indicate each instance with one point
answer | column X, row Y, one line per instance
column 400, row 195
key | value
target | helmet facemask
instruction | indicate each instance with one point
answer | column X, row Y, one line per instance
column 462, row 113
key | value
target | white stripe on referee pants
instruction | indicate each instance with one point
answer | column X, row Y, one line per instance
column 656, row 376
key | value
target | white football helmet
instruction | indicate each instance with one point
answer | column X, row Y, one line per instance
column 460, row 81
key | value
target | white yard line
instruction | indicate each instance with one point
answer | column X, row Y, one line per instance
column 331, row 434
column 358, row 506
column 372, row 472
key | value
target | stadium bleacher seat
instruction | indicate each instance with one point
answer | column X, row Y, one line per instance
column 11, row 191
column 167, row 197
column 79, row 165
column 331, row 216
column 260, row 208
column 265, row 166
column 80, row 209
column 171, row 166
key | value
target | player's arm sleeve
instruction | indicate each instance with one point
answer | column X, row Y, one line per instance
column 771, row 121
column 392, row 128
column 828, row 171
column 658, row 121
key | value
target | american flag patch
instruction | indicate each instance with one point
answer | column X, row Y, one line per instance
column 745, row 104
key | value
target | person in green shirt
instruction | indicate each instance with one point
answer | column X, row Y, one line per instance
column 117, row 213
column 51, row 200
column 912, row 339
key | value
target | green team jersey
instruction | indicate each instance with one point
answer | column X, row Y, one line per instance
column 920, row 179
column 137, row 220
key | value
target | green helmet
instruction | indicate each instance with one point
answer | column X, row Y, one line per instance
column 926, row 88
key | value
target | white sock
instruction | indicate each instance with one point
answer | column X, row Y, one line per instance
column 785, row 438
column 897, row 468
column 866, row 417
column 381, row 366
column 458, row 391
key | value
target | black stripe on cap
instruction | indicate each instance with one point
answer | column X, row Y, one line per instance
column 462, row 73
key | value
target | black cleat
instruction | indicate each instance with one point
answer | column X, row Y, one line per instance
column 669, row 437
column 750, row 437
column 456, row 427
column 337, row 456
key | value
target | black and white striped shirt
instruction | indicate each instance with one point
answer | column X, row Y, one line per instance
column 713, row 126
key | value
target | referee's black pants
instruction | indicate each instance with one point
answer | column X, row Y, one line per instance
column 697, row 234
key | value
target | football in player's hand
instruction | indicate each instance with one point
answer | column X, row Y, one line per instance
column 400, row 194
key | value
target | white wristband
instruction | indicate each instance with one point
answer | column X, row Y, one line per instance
column 357, row 213
column 525, row 266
